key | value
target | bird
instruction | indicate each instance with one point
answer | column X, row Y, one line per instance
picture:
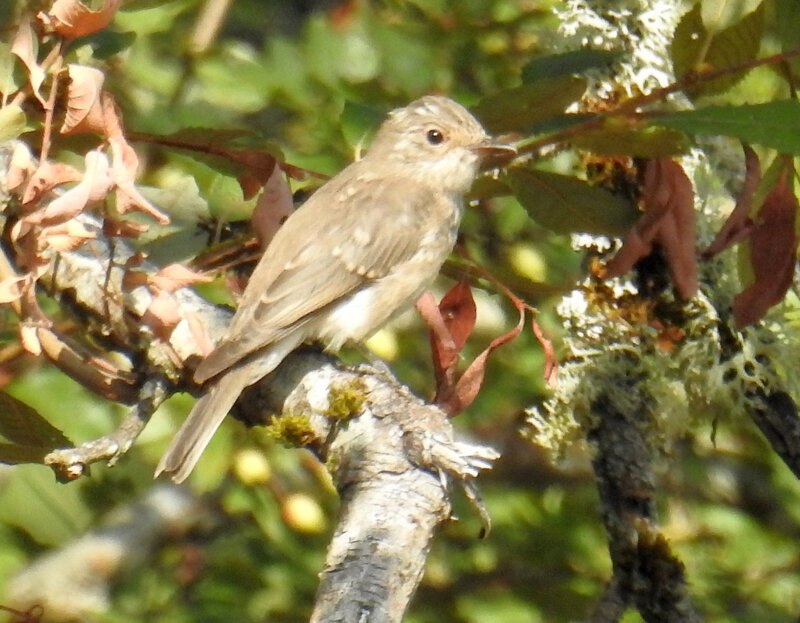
column 360, row 250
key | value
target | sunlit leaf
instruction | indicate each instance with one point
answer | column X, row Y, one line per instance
column 696, row 49
column 774, row 124
column 12, row 122
column 566, row 204
column 28, row 431
column 719, row 14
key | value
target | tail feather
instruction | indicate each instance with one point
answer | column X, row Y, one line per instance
column 194, row 435
column 199, row 427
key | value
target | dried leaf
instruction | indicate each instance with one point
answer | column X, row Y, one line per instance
column 93, row 187
column 125, row 165
column 25, row 47
column 273, row 207
column 45, row 178
column 773, row 253
column 72, row 19
column 739, row 224
column 668, row 220
column 175, row 276
column 550, row 360
column 197, row 329
column 87, row 368
column 458, row 313
column 66, row 236
column 20, row 168
column 29, row 339
column 12, row 288
column 468, row 386
column 84, row 107
column 120, row 228
column 162, row 315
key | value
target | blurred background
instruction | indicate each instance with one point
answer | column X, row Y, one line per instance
column 246, row 538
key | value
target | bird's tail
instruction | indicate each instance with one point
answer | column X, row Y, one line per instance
column 193, row 436
column 189, row 442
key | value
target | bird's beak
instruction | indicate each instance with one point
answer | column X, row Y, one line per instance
column 494, row 153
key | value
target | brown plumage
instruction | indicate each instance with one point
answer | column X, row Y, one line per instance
column 361, row 249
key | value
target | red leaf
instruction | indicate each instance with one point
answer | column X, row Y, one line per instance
column 668, row 220
column 456, row 320
column 773, row 252
column 468, row 386
column 739, row 224
column 459, row 312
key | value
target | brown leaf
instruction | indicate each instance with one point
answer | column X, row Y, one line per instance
column 125, row 165
column 451, row 322
column 72, row 19
column 197, row 328
column 45, row 178
column 93, row 187
column 84, row 107
column 121, row 228
column 739, row 224
column 550, row 360
column 273, row 207
column 668, row 220
column 175, row 276
column 25, row 47
column 93, row 372
column 162, row 315
column 66, row 236
column 468, row 386
column 21, row 167
column 12, row 288
column 29, row 339
column 773, row 252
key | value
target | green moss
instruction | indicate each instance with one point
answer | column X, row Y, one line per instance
column 291, row 429
column 346, row 400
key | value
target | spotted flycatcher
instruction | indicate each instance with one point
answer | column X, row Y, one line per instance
column 364, row 247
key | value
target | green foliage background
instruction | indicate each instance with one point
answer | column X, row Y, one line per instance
column 310, row 78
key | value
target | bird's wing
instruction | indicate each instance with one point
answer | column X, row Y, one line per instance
column 331, row 253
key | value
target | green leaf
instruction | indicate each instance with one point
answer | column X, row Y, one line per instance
column 566, row 204
column 720, row 14
column 359, row 122
column 106, row 43
column 518, row 108
column 12, row 122
column 786, row 22
column 623, row 141
column 774, row 124
column 566, row 64
column 31, row 435
column 50, row 513
column 696, row 48
column 10, row 81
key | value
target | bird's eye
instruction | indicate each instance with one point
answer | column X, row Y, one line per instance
column 435, row 137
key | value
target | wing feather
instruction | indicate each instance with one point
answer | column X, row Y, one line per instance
column 324, row 252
